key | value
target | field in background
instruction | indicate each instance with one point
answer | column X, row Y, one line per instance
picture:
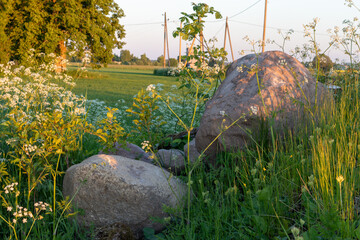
column 117, row 82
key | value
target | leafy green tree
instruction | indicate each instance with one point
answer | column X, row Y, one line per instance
column 144, row 60
column 126, row 56
column 194, row 22
column 173, row 62
column 160, row 60
column 54, row 26
column 116, row 58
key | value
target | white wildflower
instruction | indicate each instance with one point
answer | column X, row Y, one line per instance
column 150, row 88
column 254, row 109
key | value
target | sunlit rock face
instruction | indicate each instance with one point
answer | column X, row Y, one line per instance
column 117, row 190
column 272, row 85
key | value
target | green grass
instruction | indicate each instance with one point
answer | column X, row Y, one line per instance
column 117, row 82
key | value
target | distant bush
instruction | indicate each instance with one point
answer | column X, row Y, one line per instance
column 325, row 63
column 169, row 71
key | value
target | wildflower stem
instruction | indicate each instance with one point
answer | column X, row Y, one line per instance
column 54, row 195
column 10, row 225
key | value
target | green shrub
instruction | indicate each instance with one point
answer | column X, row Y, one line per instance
column 324, row 62
column 169, row 71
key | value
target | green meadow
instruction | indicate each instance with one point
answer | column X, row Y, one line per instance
column 116, row 82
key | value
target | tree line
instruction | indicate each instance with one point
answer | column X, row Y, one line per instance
column 127, row 58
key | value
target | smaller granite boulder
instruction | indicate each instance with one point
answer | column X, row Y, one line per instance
column 193, row 152
column 117, row 190
column 172, row 159
column 131, row 151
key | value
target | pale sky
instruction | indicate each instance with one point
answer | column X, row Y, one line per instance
column 145, row 31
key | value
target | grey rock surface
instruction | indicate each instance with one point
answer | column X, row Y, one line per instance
column 131, row 151
column 172, row 159
column 193, row 152
column 114, row 189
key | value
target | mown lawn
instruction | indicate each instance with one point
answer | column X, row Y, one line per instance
column 114, row 83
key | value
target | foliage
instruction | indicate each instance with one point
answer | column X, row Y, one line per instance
column 126, row 56
column 194, row 22
column 322, row 62
column 302, row 185
column 36, row 24
column 148, row 121
column 43, row 126
column 166, row 72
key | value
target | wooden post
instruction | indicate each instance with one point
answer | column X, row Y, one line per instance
column 164, row 40
column 227, row 25
column 190, row 50
column 180, row 44
column 201, row 41
column 227, row 31
column 263, row 40
column 167, row 42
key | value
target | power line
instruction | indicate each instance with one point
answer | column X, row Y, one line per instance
column 221, row 28
column 245, row 9
column 139, row 24
column 177, row 21
column 275, row 28
column 222, row 20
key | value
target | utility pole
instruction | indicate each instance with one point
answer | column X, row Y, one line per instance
column 227, row 31
column 167, row 43
column 165, row 34
column 226, row 25
column 263, row 40
column 180, row 44
column 201, row 41
column 190, row 49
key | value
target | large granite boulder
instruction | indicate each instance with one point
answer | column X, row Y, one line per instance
column 257, row 87
column 117, row 190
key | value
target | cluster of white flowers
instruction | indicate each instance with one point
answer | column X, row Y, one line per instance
column 28, row 148
column 240, row 69
column 11, row 141
column 10, row 188
column 86, row 57
column 254, row 109
column 150, row 88
column 146, row 145
column 21, row 212
column 36, row 92
column 282, row 62
column 349, row 3
column 42, row 206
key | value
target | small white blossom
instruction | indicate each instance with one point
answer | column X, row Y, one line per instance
column 254, row 109
column 150, row 88
column 282, row 62
column 239, row 69
column 146, row 145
